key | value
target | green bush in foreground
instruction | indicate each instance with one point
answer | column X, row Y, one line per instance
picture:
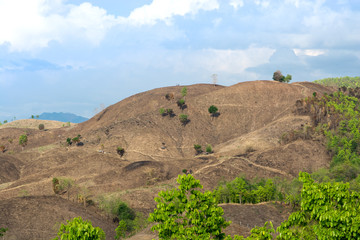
column 79, row 229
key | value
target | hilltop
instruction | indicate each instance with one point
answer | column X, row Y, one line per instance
column 245, row 135
column 62, row 117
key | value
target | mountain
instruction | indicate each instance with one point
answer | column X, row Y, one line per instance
column 63, row 117
column 245, row 135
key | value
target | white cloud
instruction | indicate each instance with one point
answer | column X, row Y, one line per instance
column 236, row 3
column 164, row 10
column 309, row 52
column 233, row 61
column 262, row 3
column 31, row 24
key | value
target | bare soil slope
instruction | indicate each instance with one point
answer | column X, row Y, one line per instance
column 245, row 136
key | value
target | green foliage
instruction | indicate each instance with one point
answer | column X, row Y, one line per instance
column 2, row 231
column 121, row 230
column 79, row 229
column 32, row 116
column 169, row 111
column 349, row 82
column 184, row 92
column 181, row 103
column 278, row 76
column 328, row 211
column 209, row 149
column 76, row 139
column 162, row 111
column 213, row 110
column 243, row 191
column 68, row 141
column 197, row 148
column 183, row 119
column 5, row 121
column 120, row 151
column 41, row 126
column 23, row 140
column 188, row 213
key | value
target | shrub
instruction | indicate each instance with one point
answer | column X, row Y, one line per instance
column 170, row 112
column 68, row 141
column 23, row 140
column 184, row 170
column 213, row 110
column 184, row 92
column 162, row 112
column 278, row 76
column 2, row 231
column 181, row 103
column 209, row 148
column 169, row 96
column 79, row 229
column 197, row 148
column 41, row 126
column 2, row 148
column 120, row 151
column 76, row 139
column 183, row 119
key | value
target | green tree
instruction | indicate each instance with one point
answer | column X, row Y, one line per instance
column 328, row 211
column 79, row 229
column 121, row 230
column 184, row 92
column 2, row 231
column 120, row 151
column 208, row 148
column 32, row 116
column 183, row 119
column 197, row 148
column 278, row 76
column 23, row 140
column 213, row 110
column 188, row 213
column 5, row 121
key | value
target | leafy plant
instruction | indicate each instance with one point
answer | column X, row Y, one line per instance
column 120, row 151
column 23, row 140
column 208, row 148
column 213, row 110
column 68, row 141
column 184, row 92
column 41, row 126
column 188, row 213
column 183, row 119
column 75, row 140
column 121, row 230
column 79, row 229
column 162, row 112
column 181, row 103
column 2, row 231
column 278, row 76
column 197, row 148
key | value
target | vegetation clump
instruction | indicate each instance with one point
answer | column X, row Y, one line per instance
column 23, row 140
column 181, row 103
column 197, row 148
column 41, row 126
column 183, row 119
column 279, row 77
column 213, row 110
column 348, row 82
column 209, row 149
column 79, row 229
column 120, row 151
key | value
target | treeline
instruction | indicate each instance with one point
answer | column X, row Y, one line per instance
column 349, row 82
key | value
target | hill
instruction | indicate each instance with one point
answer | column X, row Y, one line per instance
column 245, row 135
column 34, row 124
column 62, row 117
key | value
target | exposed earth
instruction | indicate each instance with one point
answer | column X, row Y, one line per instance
column 246, row 136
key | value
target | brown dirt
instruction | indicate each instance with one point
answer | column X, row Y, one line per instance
column 34, row 124
column 157, row 149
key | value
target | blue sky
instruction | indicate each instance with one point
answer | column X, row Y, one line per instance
column 76, row 56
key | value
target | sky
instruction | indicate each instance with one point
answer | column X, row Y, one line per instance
column 78, row 56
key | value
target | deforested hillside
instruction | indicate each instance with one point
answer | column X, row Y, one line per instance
column 133, row 149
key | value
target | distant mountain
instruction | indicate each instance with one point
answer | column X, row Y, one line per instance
column 63, row 117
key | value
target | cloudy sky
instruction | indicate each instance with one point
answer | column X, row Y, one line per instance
column 74, row 56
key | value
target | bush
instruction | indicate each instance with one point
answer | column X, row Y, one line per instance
column 68, row 141
column 170, row 112
column 41, row 126
column 76, row 139
column 23, row 140
column 162, row 112
column 197, row 148
column 2, row 148
column 209, row 148
column 183, row 119
column 181, row 103
column 120, row 151
column 2, row 231
column 213, row 110
column 278, row 76
column 79, row 229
